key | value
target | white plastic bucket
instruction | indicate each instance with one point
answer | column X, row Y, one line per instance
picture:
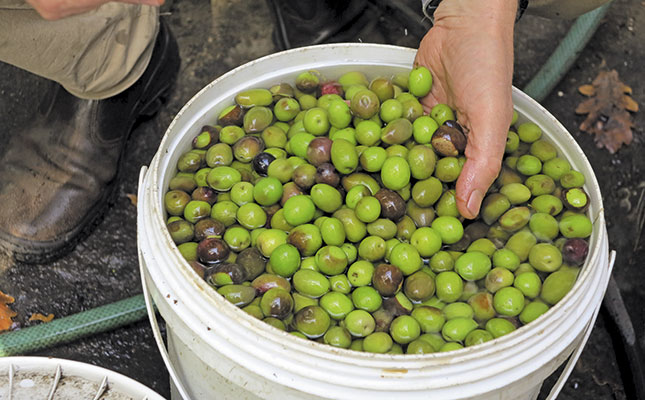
column 218, row 351
column 28, row 378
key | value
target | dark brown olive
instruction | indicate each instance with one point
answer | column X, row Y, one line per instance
column 247, row 148
column 476, row 230
column 387, row 279
column 449, row 139
column 383, row 319
column 261, row 163
column 234, row 116
column 326, row 173
column 212, row 250
column 265, row 282
column 252, row 261
column 270, row 212
column 319, row 151
column 392, row 204
column 208, row 136
column 205, row 193
column 304, row 176
column 396, row 306
column 575, row 199
column 574, row 251
column 289, row 190
column 208, row 227
column 226, row 274
column 472, row 232
column 199, row 268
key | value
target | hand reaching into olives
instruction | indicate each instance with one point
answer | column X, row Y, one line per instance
column 469, row 51
column 57, row 9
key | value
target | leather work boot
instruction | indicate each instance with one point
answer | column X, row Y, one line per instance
column 59, row 172
column 309, row 22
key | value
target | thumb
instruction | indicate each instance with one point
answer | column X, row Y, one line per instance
column 484, row 154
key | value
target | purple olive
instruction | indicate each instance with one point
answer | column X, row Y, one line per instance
column 212, row 250
column 326, row 173
column 574, row 251
column 319, row 151
column 393, row 206
column 387, row 279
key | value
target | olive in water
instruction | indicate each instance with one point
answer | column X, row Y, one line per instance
column 449, row 139
column 365, row 104
column 247, row 148
column 392, row 204
column 574, row 251
column 252, row 261
column 387, row 279
column 319, row 151
column 212, row 250
column 261, row 163
column 204, row 193
column 326, row 173
column 226, row 274
column 233, row 115
column 277, row 303
column 208, row 227
column 209, row 136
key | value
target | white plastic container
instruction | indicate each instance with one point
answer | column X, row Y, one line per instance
column 218, row 351
column 28, row 378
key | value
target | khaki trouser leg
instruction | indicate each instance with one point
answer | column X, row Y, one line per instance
column 93, row 55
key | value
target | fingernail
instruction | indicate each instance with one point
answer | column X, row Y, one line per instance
column 475, row 201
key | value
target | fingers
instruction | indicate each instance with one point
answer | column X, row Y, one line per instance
column 484, row 153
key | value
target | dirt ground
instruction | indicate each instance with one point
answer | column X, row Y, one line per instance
column 104, row 267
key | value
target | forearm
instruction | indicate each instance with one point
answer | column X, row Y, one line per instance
column 562, row 8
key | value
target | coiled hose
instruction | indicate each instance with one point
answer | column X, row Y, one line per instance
column 124, row 312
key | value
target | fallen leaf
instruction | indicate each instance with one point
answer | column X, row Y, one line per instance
column 41, row 317
column 607, row 109
column 6, row 313
column 587, row 90
column 133, row 198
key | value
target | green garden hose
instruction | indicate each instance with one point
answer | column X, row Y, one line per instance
column 67, row 329
column 111, row 316
column 565, row 54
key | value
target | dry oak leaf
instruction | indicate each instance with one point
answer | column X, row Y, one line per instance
column 41, row 317
column 132, row 198
column 6, row 313
column 607, row 110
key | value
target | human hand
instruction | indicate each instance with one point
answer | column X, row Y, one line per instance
column 57, row 9
column 469, row 51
